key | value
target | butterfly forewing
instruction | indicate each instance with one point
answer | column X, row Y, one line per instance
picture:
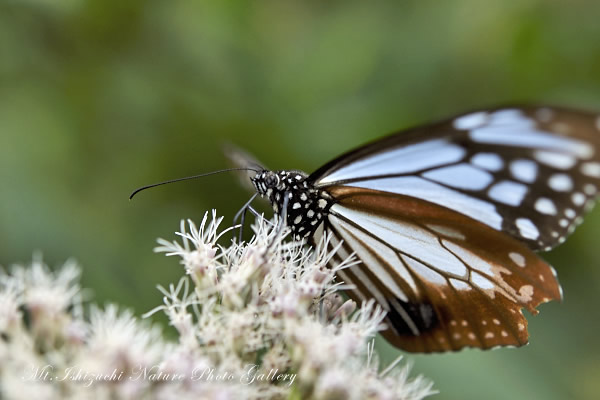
column 445, row 219
column 446, row 280
column 528, row 172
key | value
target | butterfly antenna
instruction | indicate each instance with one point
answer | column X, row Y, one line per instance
column 136, row 191
column 242, row 213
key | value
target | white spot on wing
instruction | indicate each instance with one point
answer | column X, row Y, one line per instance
column 402, row 160
column 461, row 176
column 570, row 213
column 470, row 121
column 590, row 189
column 524, row 170
column 480, row 210
column 489, row 161
column 555, row 159
column 526, row 291
column 560, row 182
column 527, row 229
column 517, row 258
column 578, row 198
column 545, row 206
column 589, row 205
column 591, row 169
column 508, row 192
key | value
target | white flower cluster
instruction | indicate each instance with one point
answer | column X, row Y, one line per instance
column 262, row 320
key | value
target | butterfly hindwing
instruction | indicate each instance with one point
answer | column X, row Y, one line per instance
column 529, row 172
column 446, row 281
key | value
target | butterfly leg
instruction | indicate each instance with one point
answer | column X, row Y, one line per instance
column 282, row 218
column 257, row 215
column 242, row 223
column 242, row 213
column 244, row 208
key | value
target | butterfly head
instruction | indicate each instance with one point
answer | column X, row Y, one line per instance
column 267, row 183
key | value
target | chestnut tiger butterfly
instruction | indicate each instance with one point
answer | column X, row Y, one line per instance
column 446, row 219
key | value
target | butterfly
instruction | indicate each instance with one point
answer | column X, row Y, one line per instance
column 446, row 219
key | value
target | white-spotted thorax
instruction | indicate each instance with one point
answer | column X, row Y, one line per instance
column 306, row 205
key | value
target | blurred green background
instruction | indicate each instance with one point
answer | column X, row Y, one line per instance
column 99, row 97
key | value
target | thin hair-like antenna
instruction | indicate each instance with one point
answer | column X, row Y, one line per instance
column 136, row 191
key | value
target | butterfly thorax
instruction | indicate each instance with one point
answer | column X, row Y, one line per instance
column 307, row 206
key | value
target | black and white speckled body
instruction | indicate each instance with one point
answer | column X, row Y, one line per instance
column 307, row 206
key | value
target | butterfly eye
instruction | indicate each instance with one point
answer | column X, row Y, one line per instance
column 271, row 180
